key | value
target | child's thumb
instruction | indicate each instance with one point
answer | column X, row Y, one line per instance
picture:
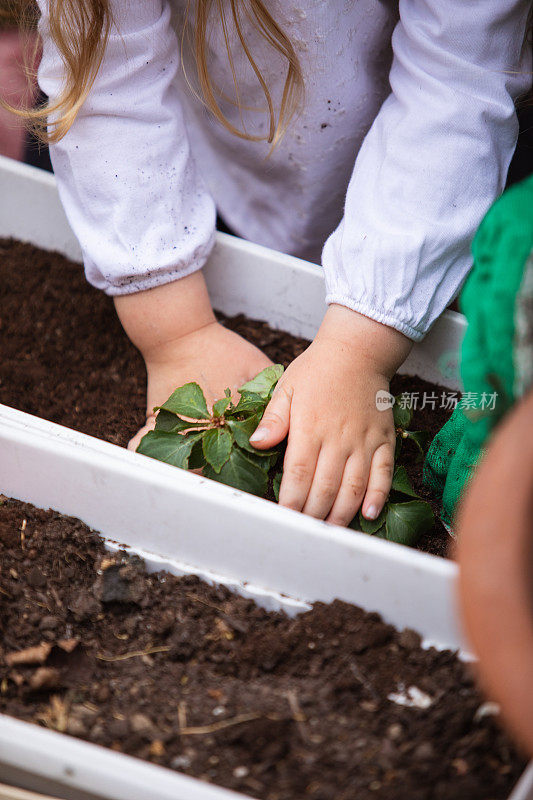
column 275, row 423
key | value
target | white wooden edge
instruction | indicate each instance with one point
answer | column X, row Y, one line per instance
column 77, row 770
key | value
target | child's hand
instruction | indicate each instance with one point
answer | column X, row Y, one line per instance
column 175, row 329
column 340, row 447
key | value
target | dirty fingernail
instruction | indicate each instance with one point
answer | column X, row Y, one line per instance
column 371, row 512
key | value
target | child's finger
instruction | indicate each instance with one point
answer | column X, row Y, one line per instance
column 275, row 423
column 352, row 491
column 298, row 471
column 380, row 480
column 325, row 486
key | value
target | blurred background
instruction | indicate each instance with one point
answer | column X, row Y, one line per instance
column 17, row 50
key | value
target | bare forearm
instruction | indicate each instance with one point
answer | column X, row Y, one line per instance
column 157, row 318
column 378, row 345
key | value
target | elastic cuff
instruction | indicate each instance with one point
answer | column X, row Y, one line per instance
column 133, row 285
column 373, row 313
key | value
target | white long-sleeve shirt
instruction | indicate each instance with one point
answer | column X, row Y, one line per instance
column 420, row 97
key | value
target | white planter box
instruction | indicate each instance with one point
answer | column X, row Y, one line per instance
column 185, row 523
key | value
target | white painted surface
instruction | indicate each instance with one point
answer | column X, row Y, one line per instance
column 524, row 788
column 75, row 770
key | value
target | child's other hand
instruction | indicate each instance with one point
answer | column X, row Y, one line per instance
column 175, row 329
column 213, row 356
column 340, row 448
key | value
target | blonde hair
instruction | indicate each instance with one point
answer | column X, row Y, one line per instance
column 80, row 30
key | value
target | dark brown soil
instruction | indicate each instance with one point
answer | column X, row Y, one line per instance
column 195, row 678
column 66, row 358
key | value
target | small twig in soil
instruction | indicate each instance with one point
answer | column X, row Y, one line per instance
column 135, row 654
column 297, row 714
column 76, row 553
column 361, row 677
column 182, row 716
column 55, row 595
column 201, row 730
column 203, row 602
column 22, row 534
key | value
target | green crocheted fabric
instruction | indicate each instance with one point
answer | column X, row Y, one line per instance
column 497, row 351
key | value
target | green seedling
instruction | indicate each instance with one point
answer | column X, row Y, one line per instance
column 189, row 436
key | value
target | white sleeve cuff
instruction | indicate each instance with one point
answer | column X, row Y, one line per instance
column 129, row 285
column 377, row 314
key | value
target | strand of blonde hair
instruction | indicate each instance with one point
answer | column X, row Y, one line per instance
column 80, row 30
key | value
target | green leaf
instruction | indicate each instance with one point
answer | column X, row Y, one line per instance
column 217, row 444
column 371, row 525
column 265, row 381
column 249, row 403
column 406, row 522
column 273, row 456
column 189, row 401
column 197, row 458
column 241, row 472
column 421, row 439
column 266, row 459
column 398, row 447
column 170, row 423
column 221, row 406
column 276, row 483
column 401, row 482
column 402, row 415
column 242, row 429
column 172, row 448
